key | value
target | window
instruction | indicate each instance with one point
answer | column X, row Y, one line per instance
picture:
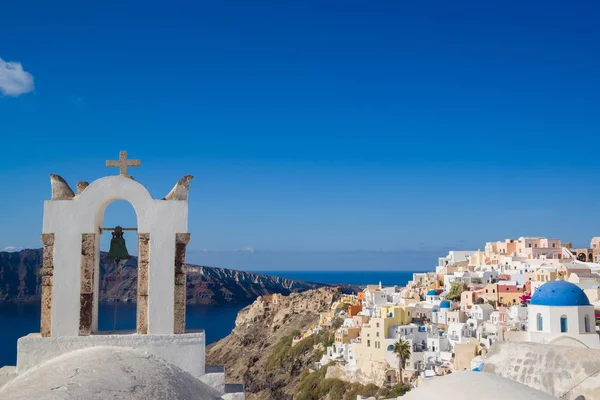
column 529, row 244
column 586, row 322
column 390, row 348
column 377, row 334
column 554, row 245
column 563, row 323
column 540, row 322
column 409, row 313
column 368, row 343
column 378, row 324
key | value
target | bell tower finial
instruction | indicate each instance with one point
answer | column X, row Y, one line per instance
column 123, row 163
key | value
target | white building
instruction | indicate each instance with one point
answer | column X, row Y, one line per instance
column 560, row 313
column 375, row 296
column 454, row 257
column 441, row 316
column 432, row 297
column 458, row 333
column 481, row 312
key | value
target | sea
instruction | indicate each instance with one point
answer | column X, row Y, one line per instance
column 17, row 320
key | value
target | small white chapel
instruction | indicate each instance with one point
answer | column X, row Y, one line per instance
column 70, row 358
column 560, row 313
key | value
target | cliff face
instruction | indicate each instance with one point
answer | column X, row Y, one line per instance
column 19, row 275
column 20, row 281
column 255, row 352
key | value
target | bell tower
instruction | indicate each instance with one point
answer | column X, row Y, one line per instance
column 73, row 223
column 71, row 238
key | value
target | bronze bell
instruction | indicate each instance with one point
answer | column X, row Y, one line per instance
column 118, row 250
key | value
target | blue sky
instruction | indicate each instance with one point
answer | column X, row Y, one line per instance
column 322, row 134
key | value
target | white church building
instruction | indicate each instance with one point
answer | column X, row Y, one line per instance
column 70, row 357
column 560, row 313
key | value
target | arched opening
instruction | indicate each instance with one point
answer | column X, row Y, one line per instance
column 540, row 323
column 390, row 347
column 563, row 324
column 117, row 284
column 586, row 323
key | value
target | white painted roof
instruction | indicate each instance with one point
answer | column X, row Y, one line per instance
column 103, row 372
column 466, row 385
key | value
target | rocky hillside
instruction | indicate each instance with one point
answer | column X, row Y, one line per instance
column 255, row 351
column 261, row 352
column 20, row 281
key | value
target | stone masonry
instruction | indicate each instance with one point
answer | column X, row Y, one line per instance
column 181, row 242
column 86, row 307
column 142, row 297
column 47, row 273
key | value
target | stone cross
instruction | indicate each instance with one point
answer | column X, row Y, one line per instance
column 123, row 163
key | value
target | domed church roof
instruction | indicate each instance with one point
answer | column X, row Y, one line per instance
column 559, row 293
column 106, row 372
column 432, row 292
column 445, row 304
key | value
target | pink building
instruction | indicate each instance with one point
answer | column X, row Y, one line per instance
column 536, row 247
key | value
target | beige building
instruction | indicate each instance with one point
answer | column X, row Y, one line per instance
column 584, row 278
column 344, row 335
column 564, row 271
column 545, row 274
column 467, row 299
column 463, row 355
column 525, row 247
column 457, row 316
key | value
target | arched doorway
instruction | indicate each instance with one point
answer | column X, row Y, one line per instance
column 117, row 285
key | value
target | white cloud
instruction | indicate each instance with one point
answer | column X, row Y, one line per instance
column 246, row 250
column 12, row 248
column 14, row 81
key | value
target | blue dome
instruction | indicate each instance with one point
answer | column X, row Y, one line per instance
column 434, row 310
column 432, row 293
column 445, row 304
column 559, row 293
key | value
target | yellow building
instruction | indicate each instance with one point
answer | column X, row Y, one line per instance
column 374, row 337
column 545, row 274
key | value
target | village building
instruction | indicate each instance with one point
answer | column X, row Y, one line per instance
column 439, row 316
column 376, row 335
column 481, row 312
column 585, row 280
column 345, row 334
column 564, row 271
column 560, row 313
column 458, row 333
column 432, row 296
column 467, row 300
column 455, row 317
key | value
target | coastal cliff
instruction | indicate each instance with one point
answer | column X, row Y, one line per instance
column 20, row 281
column 258, row 350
